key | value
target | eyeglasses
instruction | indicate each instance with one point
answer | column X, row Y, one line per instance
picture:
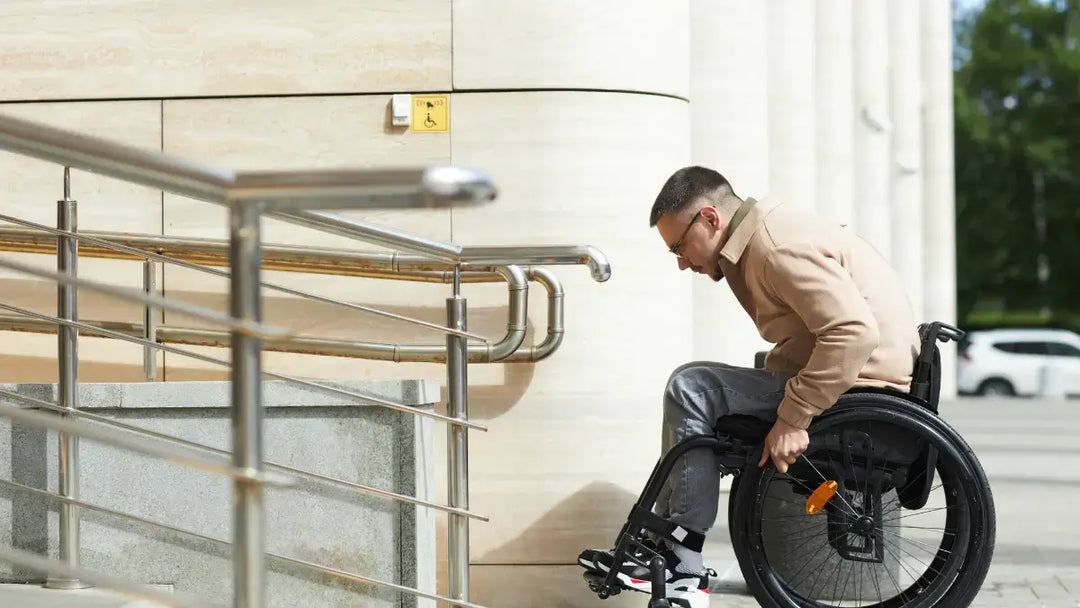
column 677, row 247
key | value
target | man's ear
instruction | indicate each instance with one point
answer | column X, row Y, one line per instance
column 711, row 215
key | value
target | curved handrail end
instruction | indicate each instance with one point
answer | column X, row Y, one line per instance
column 459, row 184
column 599, row 266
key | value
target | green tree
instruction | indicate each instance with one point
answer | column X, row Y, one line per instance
column 1017, row 100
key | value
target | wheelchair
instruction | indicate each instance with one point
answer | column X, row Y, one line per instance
column 888, row 507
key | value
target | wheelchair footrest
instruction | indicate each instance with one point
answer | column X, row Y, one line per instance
column 595, row 581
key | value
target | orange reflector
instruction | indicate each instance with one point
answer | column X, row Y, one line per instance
column 820, row 496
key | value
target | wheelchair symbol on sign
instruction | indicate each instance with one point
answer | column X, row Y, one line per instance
column 428, row 122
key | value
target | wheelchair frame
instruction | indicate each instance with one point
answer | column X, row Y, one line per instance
column 736, row 450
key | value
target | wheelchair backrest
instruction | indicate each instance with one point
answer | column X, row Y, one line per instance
column 926, row 377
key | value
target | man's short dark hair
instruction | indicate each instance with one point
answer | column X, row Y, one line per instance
column 684, row 187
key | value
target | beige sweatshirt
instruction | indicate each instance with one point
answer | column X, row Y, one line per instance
column 834, row 308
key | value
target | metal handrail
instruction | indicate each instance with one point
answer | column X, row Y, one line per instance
column 297, row 197
column 598, row 264
column 184, row 456
column 431, row 187
column 101, row 331
column 297, row 473
column 503, row 350
column 30, row 241
column 242, row 326
column 343, row 574
column 298, row 259
column 291, row 258
column 297, row 190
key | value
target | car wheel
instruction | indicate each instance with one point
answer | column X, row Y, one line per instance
column 997, row 387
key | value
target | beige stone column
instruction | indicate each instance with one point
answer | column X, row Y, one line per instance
column 939, row 214
column 835, row 110
column 873, row 126
column 790, row 52
column 578, row 110
column 906, row 167
column 729, row 132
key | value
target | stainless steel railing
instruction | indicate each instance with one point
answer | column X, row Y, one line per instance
column 281, row 190
column 298, row 197
column 190, row 253
column 67, row 260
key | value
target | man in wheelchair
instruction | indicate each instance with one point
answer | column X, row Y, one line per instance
column 838, row 316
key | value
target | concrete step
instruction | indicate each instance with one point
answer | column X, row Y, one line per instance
column 36, row 596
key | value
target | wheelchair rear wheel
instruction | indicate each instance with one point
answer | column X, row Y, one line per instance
column 871, row 543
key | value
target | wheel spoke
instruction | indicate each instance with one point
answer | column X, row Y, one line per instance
column 825, row 580
column 806, row 536
column 822, row 562
column 926, row 547
column 824, row 545
column 809, row 539
column 905, row 568
column 840, row 494
column 899, row 592
column 922, row 512
column 943, row 530
column 894, row 503
column 928, row 566
column 839, row 597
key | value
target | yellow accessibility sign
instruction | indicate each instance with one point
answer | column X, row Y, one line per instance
column 431, row 113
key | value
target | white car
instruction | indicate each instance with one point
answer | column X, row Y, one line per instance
column 1036, row 362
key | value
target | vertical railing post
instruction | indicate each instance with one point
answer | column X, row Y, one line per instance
column 149, row 321
column 246, row 303
column 67, row 261
column 457, row 358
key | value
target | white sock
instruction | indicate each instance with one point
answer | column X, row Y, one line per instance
column 691, row 561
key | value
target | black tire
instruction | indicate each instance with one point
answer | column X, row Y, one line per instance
column 960, row 560
column 996, row 386
column 732, row 493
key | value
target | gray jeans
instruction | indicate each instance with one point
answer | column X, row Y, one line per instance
column 697, row 396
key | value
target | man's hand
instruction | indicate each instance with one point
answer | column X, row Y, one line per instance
column 784, row 444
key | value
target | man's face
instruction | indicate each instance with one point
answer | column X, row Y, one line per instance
column 692, row 236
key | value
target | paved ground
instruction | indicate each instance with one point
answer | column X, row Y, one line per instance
column 1031, row 452
column 33, row 596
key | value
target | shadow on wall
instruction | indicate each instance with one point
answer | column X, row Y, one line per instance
column 308, row 317
column 43, row 370
column 580, row 521
column 585, row 519
column 589, row 518
column 319, row 319
column 40, row 296
column 490, row 401
column 314, row 319
column 486, row 401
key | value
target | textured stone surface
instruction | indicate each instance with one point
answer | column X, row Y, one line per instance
column 204, row 48
column 314, row 522
column 35, row 596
